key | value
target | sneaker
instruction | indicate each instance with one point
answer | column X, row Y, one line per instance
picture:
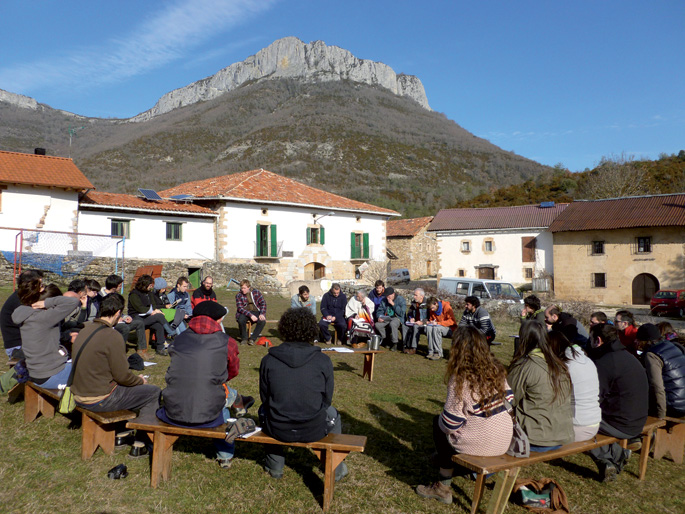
column 437, row 491
column 138, row 450
column 250, row 342
column 393, row 348
column 162, row 351
column 410, row 351
column 624, row 460
column 274, row 474
column 634, row 444
column 429, row 356
column 341, row 472
column 224, row 463
column 241, row 405
column 434, row 357
column 607, row 472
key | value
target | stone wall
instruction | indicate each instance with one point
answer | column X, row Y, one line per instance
column 419, row 254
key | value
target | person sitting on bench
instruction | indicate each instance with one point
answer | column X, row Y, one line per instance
column 203, row 360
column 333, row 306
column 441, row 321
column 102, row 379
column 250, row 306
column 140, row 306
column 542, row 390
column 475, row 420
column 296, row 389
column 623, row 398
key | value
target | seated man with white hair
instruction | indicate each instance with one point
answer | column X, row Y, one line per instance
column 359, row 316
column 391, row 313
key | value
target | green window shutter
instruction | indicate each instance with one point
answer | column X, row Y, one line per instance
column 258, row 249
column 352, row 247
column 274, row 242
column 365, row 239
column 322, row 236
column 309, row 236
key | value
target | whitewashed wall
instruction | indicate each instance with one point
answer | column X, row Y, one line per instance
column 24, row 207
column 507, row 254
column 239, row 221
column 148, row 234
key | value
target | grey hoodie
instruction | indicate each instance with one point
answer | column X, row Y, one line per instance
column 40, row 331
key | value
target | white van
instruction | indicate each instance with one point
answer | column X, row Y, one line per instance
column 480, row 288
column 399, row 276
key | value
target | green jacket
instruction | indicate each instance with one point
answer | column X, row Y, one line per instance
column 546, row 422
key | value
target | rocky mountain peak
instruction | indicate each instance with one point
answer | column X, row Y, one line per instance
column 291, row 58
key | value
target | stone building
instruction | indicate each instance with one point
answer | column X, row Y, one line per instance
column 411, row 246
column 500, row 243
column 620, row 251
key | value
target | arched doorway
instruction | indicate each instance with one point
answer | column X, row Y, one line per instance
column 314, row 271
column 644, row 287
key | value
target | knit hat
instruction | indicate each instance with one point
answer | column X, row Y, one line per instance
column 160, row 283
column 209, row 308
column 648, row 332
column 388, row 291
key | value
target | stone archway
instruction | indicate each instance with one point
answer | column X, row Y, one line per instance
column 644, row 287
column 314, row 271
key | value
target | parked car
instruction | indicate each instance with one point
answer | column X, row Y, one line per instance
column 399, row 276
column 668, row 301
column 481, row 288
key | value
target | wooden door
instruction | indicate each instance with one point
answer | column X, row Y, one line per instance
column 486, row 273
column 644, row 287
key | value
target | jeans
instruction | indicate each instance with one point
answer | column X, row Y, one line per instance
column 394, row 329
column 542, row 449
column 275, row 458
column 411, row 335
column 435, row 334
column 610, row 453
column 9, row 351
column 137, row 325
column 339, row 326
column 58, row 379
column 224, row 450
column 143, row 398
column 257, row 325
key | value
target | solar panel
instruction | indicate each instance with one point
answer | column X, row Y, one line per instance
column 546, row 204
column 149, row 194
column 181, row 197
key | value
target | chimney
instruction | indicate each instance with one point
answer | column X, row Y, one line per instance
column 39, row 151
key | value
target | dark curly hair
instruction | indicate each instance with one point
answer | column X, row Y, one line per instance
column 29, row 290
column 298, row 325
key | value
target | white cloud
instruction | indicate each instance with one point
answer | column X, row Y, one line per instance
column 155, row 42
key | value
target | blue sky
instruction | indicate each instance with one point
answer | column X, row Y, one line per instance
column 554, row 81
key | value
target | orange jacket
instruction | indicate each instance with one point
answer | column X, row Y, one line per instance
column 446, row 318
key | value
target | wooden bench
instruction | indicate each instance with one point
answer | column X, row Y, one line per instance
column 507, row 467
column 331, row 450
column 17, row 392
column 670, row 439
column 97, row 427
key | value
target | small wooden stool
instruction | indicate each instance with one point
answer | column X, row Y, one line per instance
column 670, row 439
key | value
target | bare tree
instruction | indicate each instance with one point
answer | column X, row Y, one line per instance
column 614, row 177
column 375, row 270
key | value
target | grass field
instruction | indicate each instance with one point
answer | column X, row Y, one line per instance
column 41, row 470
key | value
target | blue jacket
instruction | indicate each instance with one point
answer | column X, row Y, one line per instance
column 185, row 304
column 399, row 309
column 334, row 305
column 376, row 301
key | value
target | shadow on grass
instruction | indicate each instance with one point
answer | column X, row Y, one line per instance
column 589, row 472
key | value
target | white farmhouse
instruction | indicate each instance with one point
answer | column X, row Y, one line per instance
column 501, row 243
column 304, row 233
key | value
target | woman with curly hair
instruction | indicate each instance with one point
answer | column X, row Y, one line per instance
column 542, row 390
column 475, row 419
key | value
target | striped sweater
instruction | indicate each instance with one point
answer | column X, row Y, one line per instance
column 467, row 427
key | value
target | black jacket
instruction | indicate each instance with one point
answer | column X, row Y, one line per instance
column 296, row 388
column 11, row 335
column 623, row 387
column 195, row 379
column 334, row 305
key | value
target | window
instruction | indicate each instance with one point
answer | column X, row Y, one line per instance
column 597, row 247
column 121, row 228
column 528, row 272
column 466, row 246
column 528, row 249
column 599, row 280
column 316, row 235
column 489, row 245
column 461, row 273
column 359, row 245
column 266, row 244
column 173, row 231
column 644, row 244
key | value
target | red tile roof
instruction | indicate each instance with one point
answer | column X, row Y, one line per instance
column 41, row 170
column 130, row 202
column 265, row 186
column 406, row 228
column 629, row 212
column 524, row 216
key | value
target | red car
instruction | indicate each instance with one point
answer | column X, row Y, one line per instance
column 668, row 301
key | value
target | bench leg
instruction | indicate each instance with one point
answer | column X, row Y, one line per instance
column 94, row 434
column 35, row 404
column 163, row 447
column 502, row 491
column 16, row 393
column 670, row 439
column 331, row 460
column 477, row 492
column 368, row 366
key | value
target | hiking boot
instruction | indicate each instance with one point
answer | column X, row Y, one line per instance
column 224, row 463
column 410, row 351
column 634, row 444
column 145, row 355
column 162, row 351
column 241, row 404
column 437, row 491
column 138, row 450
column 250, row 342
column 393, row 348
column 607, row 472
column 274, row 474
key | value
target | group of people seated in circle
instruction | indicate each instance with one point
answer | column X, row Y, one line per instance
column 383, row 311
column 561, row 386
column 564, row 383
